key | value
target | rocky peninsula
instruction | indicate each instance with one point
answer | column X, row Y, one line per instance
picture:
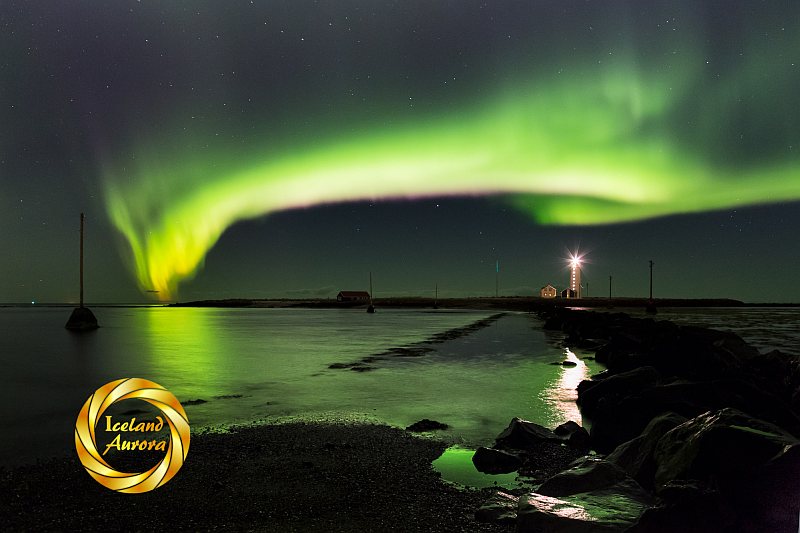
column 691, row 429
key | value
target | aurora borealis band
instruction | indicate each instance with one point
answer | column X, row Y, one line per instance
column 197, row 116
column 582, row 155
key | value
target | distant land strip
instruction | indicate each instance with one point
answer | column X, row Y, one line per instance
column 510, row 303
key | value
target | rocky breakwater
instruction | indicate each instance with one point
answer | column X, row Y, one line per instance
column 692, row 429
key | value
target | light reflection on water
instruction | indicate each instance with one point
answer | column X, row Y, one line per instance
column 274, row 362
column 562, row 397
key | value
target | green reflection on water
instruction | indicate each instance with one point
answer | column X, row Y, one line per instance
column 185, row 345
column 455, row 465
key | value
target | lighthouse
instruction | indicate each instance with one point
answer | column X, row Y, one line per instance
column 574, row 277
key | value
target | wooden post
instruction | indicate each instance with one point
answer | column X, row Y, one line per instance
column 82, row 318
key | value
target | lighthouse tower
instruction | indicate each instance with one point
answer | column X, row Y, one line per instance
column 574, row 278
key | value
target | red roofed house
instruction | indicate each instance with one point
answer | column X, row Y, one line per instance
column 353, row 296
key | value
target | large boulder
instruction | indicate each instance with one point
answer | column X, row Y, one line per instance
column 635, row 456
column 688, row 507
column 617, row 419
column 593, row 495
column 573, row 434
column 606, row 510
column 493, row 461
column 588, row 475
column 523, row 435
column 720, row 443
column 500, row 508
column 613, row 389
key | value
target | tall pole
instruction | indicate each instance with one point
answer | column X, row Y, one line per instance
column 609, row 288
column 497, row 279
column 651, row 280
column 82, row 219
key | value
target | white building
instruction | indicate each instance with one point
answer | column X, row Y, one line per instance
column 548, row 291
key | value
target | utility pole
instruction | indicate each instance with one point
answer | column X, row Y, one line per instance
column 83, row 218
column 651, row 304
column 497, row 279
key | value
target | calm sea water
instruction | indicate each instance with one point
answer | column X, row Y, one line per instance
column 270, row 364
column 766, row 328
column 254, row 364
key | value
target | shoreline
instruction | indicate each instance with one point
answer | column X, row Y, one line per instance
column 507, row 303
column 510, row 303
column 666, row 386
column 298, row 476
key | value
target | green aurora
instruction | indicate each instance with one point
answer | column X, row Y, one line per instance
column 635, row 137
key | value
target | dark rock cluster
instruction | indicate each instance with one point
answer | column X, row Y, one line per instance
column 692, row 430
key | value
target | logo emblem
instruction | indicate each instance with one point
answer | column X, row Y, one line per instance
column 91, row 420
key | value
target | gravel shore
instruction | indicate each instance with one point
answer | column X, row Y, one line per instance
column 299, row 476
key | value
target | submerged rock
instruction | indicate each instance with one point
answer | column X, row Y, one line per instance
column 426, row 425
column 492, row 461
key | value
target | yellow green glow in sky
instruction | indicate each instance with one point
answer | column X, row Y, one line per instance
column 591, row 150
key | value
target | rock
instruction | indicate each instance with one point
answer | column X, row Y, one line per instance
column 608, row 510
column 492, row 461
column 687, row 506
column 426, row 425
column 768, row 499
column 725, row 442
column 588, row 475
column 81, row 319
column 614, row 388
column 500, row 508
column 521, row 435
column 615, row 420
column 573, row 434
column 635, row 457
column 198, row 401
column 569, row 364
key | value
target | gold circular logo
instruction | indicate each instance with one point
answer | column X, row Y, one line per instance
column 175, row 451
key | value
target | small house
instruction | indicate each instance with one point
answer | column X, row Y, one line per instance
column 548, row 291
column 353, row 296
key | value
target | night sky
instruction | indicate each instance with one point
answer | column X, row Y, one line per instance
column 288, row 148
